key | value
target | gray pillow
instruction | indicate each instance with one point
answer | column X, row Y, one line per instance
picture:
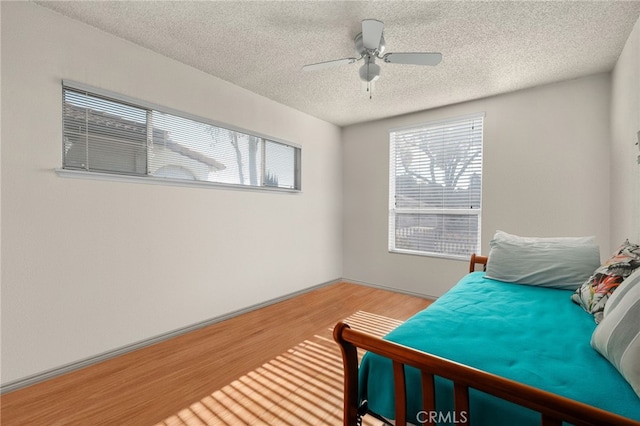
column 617, row 337
column 517, row 239
column 564, row 262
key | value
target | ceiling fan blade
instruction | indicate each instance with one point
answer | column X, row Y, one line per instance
column 329, row 64
column 414, row 58
column 371, row 33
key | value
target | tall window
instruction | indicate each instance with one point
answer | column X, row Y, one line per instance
column 435, row 188
column 109, row 133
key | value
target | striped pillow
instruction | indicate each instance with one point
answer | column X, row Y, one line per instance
column 617, row 337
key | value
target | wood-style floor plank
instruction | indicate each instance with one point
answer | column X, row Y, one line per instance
column 180, row 376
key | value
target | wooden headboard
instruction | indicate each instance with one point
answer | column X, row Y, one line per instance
column 478, row 260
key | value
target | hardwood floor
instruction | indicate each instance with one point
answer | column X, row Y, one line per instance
column 275, row 365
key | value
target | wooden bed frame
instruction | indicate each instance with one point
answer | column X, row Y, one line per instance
column 554, row 409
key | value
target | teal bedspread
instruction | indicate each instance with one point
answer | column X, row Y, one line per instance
column 533, row 335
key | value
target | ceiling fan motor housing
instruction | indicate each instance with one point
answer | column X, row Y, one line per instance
column 362, row 51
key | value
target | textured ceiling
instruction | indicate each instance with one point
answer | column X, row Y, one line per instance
column 488, row 47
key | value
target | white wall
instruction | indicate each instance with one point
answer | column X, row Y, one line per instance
column 89, row 266
column 625, row 122
column 545, row 173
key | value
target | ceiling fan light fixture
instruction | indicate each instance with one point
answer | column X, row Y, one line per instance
column 369, row 71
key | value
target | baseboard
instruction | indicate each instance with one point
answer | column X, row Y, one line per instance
column 392, row 289
column 67, row 368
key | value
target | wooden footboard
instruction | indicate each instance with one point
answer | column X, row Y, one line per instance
column 554, row 409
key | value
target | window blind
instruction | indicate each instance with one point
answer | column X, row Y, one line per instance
column 281, row 165
column 102, row 135
column 110, row 134
column 435, row 187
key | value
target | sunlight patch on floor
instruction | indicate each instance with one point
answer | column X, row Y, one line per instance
column 302, row 386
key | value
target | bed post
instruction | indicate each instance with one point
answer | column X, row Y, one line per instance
column 477, row 260
column 350, row 363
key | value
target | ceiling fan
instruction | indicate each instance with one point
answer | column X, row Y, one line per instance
column 370, row 45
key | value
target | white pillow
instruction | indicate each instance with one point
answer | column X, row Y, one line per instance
column 563, row 262
column 617, row 337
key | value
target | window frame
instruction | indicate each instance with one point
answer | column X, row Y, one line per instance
column 393, row 210
column 150, row 179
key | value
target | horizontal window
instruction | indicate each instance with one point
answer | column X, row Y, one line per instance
column 108, row 133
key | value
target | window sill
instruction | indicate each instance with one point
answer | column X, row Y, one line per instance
column 150, row 180
column 435, row 255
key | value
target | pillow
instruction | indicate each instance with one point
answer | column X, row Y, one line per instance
column 564, row 262
column 594, row 293
column 621, row 291
column 617, row 337
column 504, row 236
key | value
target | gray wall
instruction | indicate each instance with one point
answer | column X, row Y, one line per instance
column 545, row 173
column 90, row 266
column 625, row 123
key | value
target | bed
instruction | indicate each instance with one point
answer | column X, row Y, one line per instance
column 487, row 352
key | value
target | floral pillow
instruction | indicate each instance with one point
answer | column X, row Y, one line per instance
column 594, row 293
